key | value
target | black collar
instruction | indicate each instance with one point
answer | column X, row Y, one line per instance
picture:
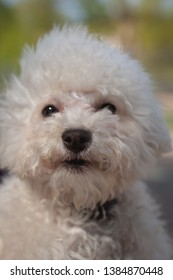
column 3, row 174
column 102, row 211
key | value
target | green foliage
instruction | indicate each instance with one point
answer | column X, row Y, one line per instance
column 152, row 30
column 169, row 119
column 156, row 34
column 22, row 24
column 94, row 10
column 156, row 44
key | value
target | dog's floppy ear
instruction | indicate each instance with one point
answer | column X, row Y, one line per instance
column 15, row 107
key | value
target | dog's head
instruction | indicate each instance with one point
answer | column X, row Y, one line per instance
column 81, row 117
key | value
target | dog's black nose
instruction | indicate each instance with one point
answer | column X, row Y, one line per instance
column 76, row 140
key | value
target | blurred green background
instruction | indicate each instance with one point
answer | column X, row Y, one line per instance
column 144, row 27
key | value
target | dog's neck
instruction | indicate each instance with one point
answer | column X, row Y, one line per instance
column 101, row 212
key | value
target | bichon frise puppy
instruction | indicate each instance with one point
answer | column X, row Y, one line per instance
column 79, row 128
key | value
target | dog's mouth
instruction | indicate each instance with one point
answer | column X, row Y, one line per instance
column 75, row 163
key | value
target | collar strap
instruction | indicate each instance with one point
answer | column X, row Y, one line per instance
column 103, row 212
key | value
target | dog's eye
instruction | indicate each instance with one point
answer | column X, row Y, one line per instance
column 108, row 106
column 49, row 110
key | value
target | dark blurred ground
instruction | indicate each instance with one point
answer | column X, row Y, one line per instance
column 161, row 186
column 161, row 177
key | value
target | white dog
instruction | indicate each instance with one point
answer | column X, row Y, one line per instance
column 79, row 128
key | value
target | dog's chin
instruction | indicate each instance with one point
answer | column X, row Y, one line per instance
column 82, row 184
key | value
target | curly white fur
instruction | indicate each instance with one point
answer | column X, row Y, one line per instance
column 42, row 204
